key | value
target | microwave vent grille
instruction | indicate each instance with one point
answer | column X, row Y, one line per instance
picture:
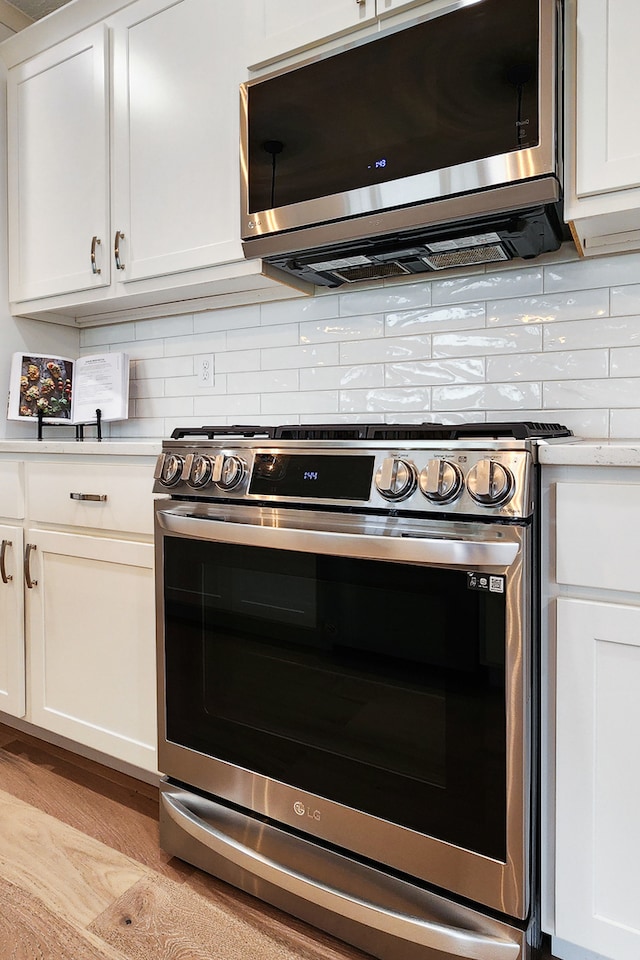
column 465, row 258
column 373, row 271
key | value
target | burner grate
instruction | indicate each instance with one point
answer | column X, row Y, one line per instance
column 516, row 430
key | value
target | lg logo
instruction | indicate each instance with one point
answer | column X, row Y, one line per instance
column 304, row 811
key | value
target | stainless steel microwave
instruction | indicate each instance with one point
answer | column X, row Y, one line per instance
column 420, row 148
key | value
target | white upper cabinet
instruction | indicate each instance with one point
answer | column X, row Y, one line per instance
column 176, row 198
column 59, row 165
column 124, row 162
column 602, row 190
column 277, row 28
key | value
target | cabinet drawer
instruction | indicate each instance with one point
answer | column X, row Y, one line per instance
column 12, row 490
column 598, row 535
column 98, row 496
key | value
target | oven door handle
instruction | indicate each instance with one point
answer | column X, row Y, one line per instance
column 425, row 550
column 418, row 925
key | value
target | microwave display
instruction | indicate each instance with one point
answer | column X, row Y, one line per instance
column 458, row 88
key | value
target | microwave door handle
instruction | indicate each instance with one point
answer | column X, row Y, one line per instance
column 430, row 932
column 425, row 550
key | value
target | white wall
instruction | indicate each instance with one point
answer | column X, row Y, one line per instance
column 556, row 339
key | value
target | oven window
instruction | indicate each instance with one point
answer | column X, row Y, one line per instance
column 378, row 685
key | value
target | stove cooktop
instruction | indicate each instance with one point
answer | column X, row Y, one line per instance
column 516, row 430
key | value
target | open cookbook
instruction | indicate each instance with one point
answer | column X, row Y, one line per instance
column 69, row 391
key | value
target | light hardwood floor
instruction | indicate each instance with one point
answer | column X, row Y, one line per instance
column 82, row 876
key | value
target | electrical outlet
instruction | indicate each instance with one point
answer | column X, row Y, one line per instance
column 204, row 370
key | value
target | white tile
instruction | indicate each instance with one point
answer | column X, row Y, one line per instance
column 333, row 378
column 508, row 283
column 612, row 392
column 298, row 404
column 297, row 311
column 258, row 381
column 163, row 407
column 109, row 333
column 157, row 328
column 504, row 396
column 142, row 350
column 355, row 328
column 625, row 362
column 388, row 400
column 139, row 428
column 594, row 272
column 305, row 355
column 385, row 349
column 423, row 373
column 582, row 334
column 195, row 344
column 251, row 338
column 146, row 388
column 487, row 342
column 229, row 318
column 237, row 361
column 625, row 424
column 214, row 409
column 381, row 299
column 625, row 300
column 163, row 367
column 562, row 365
column 433, row 319
column 188, row 387
column 549, row 308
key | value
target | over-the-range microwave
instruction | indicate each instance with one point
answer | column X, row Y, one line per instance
column 416, row 149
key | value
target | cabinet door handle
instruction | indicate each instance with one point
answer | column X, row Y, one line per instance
column 100, row 497
column 95, row 242
column 27, row 573
column 3, row 569
column 116, row 250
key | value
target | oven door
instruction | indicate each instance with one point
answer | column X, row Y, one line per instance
column 362, row 680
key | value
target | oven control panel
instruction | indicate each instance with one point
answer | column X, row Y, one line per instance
column 461, row 480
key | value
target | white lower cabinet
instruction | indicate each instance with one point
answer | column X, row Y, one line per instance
column 593, row 603
column 77, row 603
column 598, row 777
column 89, row 618
column 12, row 649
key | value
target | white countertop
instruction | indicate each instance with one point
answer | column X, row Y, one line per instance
column 594, row 453
column 84, row 448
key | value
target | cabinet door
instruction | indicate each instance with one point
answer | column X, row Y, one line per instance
column 177, row 71
column 12, row 676
column 598, row 777
column 608, row 77
column 276, row 28
column 91, row 629
column 58, row 168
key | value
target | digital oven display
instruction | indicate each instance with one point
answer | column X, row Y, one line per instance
column 312, row 476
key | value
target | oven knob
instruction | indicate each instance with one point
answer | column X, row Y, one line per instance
column 441, row 481
column 200, row 471
column 489, row 482
column 396, row 479
column 232, row 473
column 171, row 470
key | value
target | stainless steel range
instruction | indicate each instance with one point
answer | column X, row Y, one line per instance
column 347, row 639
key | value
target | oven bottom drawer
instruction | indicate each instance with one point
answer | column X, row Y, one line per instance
column 382, row 915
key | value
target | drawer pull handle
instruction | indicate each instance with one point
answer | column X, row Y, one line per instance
column 3, row 570
column 27, row 573
column 98, row 497
column 116, row 249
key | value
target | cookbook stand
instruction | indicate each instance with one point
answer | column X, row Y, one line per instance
column 78, row 426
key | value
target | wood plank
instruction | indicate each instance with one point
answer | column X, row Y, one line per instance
column 162, row 919
column 114, row 813
column 74, row 875
column 28, row 930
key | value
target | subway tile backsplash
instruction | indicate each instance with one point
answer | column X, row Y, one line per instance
column 556, row 340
